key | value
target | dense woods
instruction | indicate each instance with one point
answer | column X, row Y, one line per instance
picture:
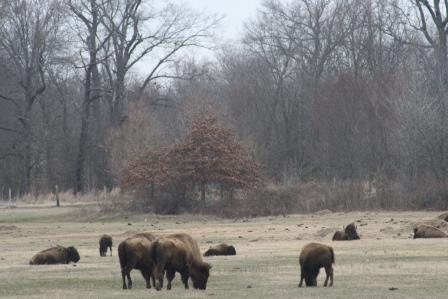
column 338, row 104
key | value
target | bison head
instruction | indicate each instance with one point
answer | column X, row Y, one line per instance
column 72, row 254
column 311, row 278
column 351, row 232
column 199, row 273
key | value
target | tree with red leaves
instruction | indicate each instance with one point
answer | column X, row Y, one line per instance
column 210, row 156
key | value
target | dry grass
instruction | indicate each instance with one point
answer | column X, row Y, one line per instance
column 266, row 264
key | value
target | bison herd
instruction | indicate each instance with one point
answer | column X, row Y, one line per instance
column 162, row 256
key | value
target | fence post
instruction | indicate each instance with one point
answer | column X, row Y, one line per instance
column 56, row 188
column 9, row 202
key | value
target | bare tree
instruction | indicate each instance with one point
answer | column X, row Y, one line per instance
column 89, row 14
column 140, row 30
column 30, row 38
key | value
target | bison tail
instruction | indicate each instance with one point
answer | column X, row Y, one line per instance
column 332, row 256
column 122, row 255
column 155, row 250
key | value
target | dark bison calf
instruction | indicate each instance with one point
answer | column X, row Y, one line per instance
column 313, row 257
column 348, row 234
column 56, row 255
column 105, row 242
column 426, row 231
column 222, row 249
column 134, row 253
column 179, row 253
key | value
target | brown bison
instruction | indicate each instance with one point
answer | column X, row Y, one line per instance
column 56, row 255
column 313, row 257
column 348, row 234
column 134, row 253
column 427, row 231
column 105, row 242
column 179, row 253
column 221, row 249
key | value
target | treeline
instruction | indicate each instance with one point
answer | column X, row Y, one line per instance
column 341, row 93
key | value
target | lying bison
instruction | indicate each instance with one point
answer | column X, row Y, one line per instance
column 313, row 257
column 105, row 242
column 222, row 249
column 426, row 231
column 134, row 253
column 348, row 234
column 56, row 255
column 444, row 216
column 179, row 253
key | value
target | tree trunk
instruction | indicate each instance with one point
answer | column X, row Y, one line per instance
column 82, row 147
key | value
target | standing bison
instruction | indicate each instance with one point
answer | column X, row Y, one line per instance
column 222, row 249
column 426, row 231
column 313, row 257
column 348, row 234
column 179, row 253
column 134, row 253
column 56, row 255
column 105, row 242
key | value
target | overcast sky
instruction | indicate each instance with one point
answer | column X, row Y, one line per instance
column 235, row 13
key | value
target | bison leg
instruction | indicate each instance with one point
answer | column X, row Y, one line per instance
column 129, row 280
column 329, row 272
column 147, row 276
column 110, row 250
column 170, row 276
column 158, row 276
column 123, row 276
column 302, row 277
column 127, row 272
column 184, row 275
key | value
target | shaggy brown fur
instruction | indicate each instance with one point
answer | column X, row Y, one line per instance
column 151, row 237
column 105, row 242
column 348, row 234
column 427, row 231
column 56, row 255
column 222, row 249
column 313, row 257
column 134, row 253
column 179, row 252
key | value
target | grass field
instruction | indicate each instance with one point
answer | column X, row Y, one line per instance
column 266, row 264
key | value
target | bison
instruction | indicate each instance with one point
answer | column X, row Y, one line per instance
column 427, row 231
column 134, row 253
column 222, row 249
column 313, row 257
column 179, row 252
column 56, row 255
column 348, row 234
column 105, row 242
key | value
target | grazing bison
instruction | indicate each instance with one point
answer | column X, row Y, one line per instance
column 179, row 252
column 56, row 255
column 222, row 249
column 105, row 242
column 134, row 253
column 348, row 234
column 313, row 257
column 427, row 231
